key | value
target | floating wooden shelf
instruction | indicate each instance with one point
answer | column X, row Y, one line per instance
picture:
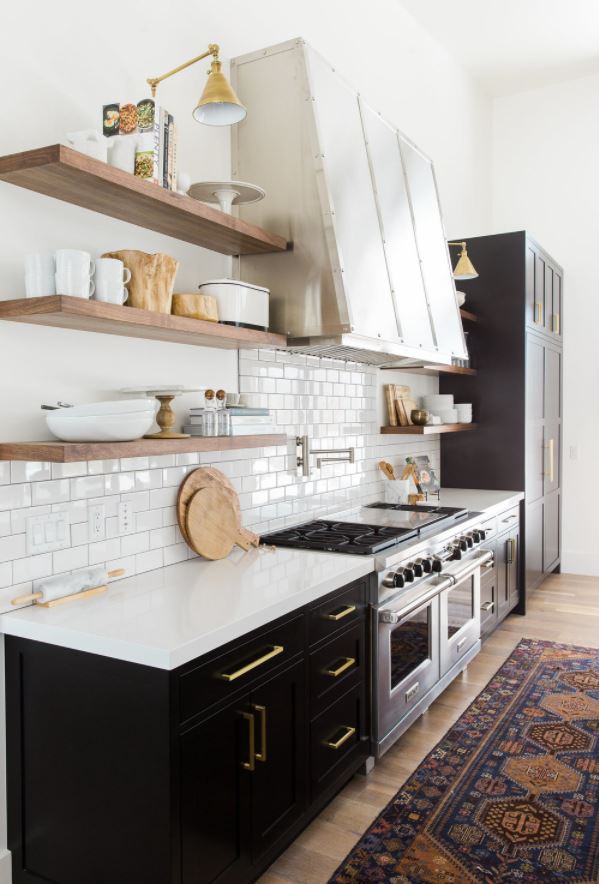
column 112, row 319
column 466, row 314
column 76, row 178
column 429, row 430
column 72, row 452
column 432, row 369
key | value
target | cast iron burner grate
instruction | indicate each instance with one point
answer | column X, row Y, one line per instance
column 342, row 537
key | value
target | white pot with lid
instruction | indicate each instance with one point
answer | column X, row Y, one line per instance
column 239, row 303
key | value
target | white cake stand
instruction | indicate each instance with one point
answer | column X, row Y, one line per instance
column 165, row 417
column 226, row 193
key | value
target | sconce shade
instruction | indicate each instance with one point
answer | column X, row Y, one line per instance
column 219, row 105
column 464, row 269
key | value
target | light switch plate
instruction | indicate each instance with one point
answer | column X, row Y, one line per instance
column 126, row 517
column 48, row 533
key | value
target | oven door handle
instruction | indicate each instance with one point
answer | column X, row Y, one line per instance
column 482, row 558
column 394, row 617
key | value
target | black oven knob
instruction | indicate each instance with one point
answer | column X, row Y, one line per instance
column 476, row 536
column 437, row 565
column 418, row 569
column 456, row 553
column 462, row 544
column 408, row 573
column 427, row 564
column 482, row 533
column 469, row 541
column 399, row 578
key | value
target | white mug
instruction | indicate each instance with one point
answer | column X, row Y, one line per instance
column 39, row 276
column 121, row 152
column 74, row 270
column 111, row 278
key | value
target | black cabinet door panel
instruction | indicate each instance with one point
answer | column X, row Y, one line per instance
column 552, row 531
column 279, row 781
column 215, row 791
column 534, row 544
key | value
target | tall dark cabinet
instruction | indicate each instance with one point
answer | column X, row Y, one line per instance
column 516, row 347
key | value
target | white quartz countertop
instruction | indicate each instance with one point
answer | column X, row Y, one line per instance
column 165, row 618
column 490, row 502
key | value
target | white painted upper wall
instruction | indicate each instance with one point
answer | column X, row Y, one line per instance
column 60, row 71
column 546, row 180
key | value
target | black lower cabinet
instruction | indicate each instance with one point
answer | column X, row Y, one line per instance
column 124, row 774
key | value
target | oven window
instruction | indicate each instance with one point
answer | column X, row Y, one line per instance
column 460, row 606
column 410, row 645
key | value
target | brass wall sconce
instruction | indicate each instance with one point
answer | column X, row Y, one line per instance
column 464, row 269
column 218, row 104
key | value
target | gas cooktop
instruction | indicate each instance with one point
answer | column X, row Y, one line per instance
column 363, row 531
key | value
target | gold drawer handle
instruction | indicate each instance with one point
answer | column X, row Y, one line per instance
column 261, row 710
column 555, row 323
column 334, row 673
column 345, row 612
column 538, row 313
column 231, row 676
column 488, row 606
column 250, row 764
column 349, row 732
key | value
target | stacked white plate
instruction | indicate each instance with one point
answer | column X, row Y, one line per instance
column 437, row 402
column 464, row 412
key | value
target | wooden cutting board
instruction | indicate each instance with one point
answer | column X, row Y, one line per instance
column 205, row 477
column 213, row 525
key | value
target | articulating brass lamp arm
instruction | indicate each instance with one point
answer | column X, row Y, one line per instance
column 213, row 49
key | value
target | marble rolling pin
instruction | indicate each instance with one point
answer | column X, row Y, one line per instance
column 67, row 587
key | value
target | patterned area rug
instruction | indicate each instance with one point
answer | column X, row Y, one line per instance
column 510, row 794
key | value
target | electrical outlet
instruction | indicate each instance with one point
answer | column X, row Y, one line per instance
column 48, row 533
column 126, row 517
column 96, row 522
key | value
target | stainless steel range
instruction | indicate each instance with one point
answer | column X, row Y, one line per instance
column 426, row 617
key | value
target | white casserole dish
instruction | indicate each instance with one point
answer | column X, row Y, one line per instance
column 239, row 303
column 118, row 421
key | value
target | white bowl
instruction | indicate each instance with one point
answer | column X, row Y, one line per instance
column 99, row 428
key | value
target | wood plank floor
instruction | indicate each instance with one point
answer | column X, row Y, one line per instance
column 565, row 608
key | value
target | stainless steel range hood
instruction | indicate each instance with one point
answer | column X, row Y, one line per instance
column 369, row 277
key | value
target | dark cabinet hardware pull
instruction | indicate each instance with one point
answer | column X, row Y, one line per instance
column 261, row 710
column 274, row 652
column 349, row 732
column 348, row 662
column 339, row 615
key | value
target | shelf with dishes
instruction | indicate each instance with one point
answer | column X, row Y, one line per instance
column 74, row 177
column 428, row 429
column 82, row 314
column 73, row 452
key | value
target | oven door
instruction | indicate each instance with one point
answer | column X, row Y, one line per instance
column 459, row 610
column 408, row 660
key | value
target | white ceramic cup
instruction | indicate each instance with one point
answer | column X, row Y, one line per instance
column 111, row 278
column 74, row 270
column 39, row 276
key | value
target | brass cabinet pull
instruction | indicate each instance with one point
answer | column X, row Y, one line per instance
column 488, row 606
column 411, row 692
column 511, row 550
column 538, row 313
column 555, row 323
column 250, row 764
column 274, row 652
column 261, row 710
column 349, row 732
column 551, row 448
column 347, row 664
column 345, row 612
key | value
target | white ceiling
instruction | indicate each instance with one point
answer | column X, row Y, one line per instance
column 514, row 45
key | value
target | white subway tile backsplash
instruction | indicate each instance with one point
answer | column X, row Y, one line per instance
column 29, row 471
column 334, row 403
column 32, row 568
column 70, row 559
column 87, row 486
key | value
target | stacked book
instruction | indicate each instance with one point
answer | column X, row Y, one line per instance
column 155, row 137
column 244, row 422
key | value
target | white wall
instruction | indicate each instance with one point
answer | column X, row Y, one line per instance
column 546, row 179
column 60, row 73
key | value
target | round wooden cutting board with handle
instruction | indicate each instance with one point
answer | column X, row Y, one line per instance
column 206, row 477
column 213, row 525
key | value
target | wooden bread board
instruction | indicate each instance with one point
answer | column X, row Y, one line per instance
column 205, row 477
column 212, row 524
